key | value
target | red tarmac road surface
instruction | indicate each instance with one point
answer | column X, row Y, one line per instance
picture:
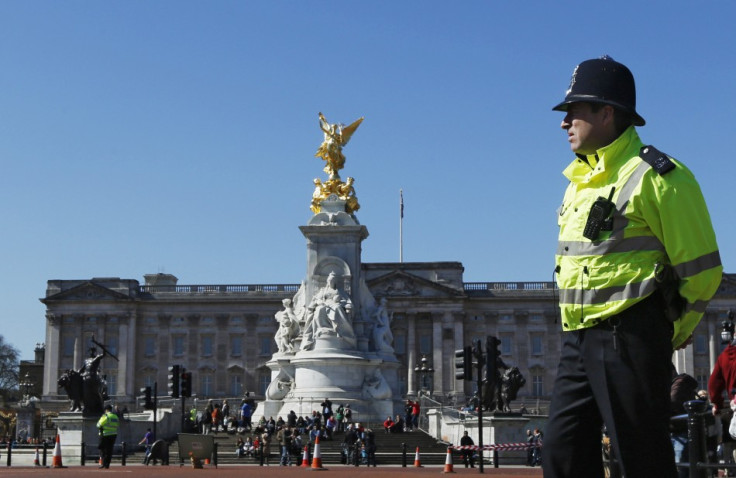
column 338, row 471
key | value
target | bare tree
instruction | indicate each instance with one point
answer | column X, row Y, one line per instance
column 8, row 367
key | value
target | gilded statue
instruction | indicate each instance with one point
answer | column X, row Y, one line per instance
column 343, row 190
column 337, row 135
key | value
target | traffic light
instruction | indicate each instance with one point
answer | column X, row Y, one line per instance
column 147, row 399
column 464, row 363
column 174, row 381
column 492, row 357
column 186, row 384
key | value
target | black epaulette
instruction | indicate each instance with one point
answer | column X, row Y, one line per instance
column 656, row 159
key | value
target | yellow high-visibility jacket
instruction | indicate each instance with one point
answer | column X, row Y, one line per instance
column 658, row 218
column 108, row 424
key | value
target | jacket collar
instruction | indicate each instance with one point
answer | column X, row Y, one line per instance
column 609, row 157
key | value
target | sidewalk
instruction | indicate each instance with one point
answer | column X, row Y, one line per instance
column 238, row 471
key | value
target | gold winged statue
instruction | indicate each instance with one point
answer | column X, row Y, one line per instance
column 336, row 136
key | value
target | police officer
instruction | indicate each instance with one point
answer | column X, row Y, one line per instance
column 636, row 264
column 108, row 427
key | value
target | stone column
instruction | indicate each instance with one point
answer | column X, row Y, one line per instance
column 714, row 340
column 53, row 344
column 438, row 386
column 79, row 353
column 126, row 351
column 411, row 353
column 458, row 343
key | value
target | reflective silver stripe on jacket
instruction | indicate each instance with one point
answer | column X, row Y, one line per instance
column 698, row 265
column 614, row 293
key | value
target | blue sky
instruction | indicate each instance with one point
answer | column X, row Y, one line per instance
column 179, row 136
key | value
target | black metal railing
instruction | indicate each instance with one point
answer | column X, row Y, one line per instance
column 502, row 286
column 217, row 289
column 240, row 288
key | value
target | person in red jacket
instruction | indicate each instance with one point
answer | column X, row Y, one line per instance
column 723, row 377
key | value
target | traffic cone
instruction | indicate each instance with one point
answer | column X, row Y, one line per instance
column 36, row 461
column 448, row 462
column 305, row 458
column 56, row 460
column 206, row 461
column 317, row 458
column 417, row 461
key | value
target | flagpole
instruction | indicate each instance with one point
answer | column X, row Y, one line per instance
column 401, row 225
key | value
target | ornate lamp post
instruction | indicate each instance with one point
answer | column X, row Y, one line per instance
column 424, row 372
column 26, row 386
column 727, row 329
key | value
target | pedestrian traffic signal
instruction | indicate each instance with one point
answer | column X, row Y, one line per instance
column 186, row 384
column 147, row 399
column 492, row 358
column 174, row 372
column 464, row 363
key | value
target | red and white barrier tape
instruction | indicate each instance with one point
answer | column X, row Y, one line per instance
column 500, row 446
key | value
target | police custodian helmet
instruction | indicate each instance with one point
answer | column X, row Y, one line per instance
column 606, row 81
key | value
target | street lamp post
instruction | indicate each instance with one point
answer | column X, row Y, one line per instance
column 26, row 385
column 425, row 372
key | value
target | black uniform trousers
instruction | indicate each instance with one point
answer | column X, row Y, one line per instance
column 617, row 373
column 106, row 447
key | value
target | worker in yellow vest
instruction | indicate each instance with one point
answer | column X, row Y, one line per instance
column 108, row 426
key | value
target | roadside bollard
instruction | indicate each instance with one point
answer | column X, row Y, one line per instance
column 261, row 454
column 9, row 449
column 83, row 455
column 403, row 455
column 696, row 437
column 45, row 452
column 123, row 447
column 214, row 455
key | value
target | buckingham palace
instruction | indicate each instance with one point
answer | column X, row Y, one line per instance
column 224, row 334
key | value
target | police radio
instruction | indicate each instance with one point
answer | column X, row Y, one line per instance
column 598, row 216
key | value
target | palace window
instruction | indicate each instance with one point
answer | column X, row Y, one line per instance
column 206, row 385
column 207, row 345
column 236, row 345
column 537, row 384
column 112, row 384
column 425, row 344
column 177, row 345
column 266, row 345
column 149, row 346
column 536, row 343
column 264, row 380
column 68, row 346
column 400, row 344
column 236, row 384
column 506, row 344
column 700, row 344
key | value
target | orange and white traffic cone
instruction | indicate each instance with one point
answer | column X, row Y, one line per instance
column 448, row 462
column 317, row 458
column 417, row 461
column 36, row 461
column 56, row 460
column 305, row 458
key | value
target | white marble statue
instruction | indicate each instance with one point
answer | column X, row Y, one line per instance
column 375, row 387
column 288, row 327
column 329, row 315
column 280, row 386
column 383, row 338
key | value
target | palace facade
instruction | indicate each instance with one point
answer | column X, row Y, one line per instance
column 224, row 334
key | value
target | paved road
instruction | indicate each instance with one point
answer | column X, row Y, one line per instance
column 239, row 471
